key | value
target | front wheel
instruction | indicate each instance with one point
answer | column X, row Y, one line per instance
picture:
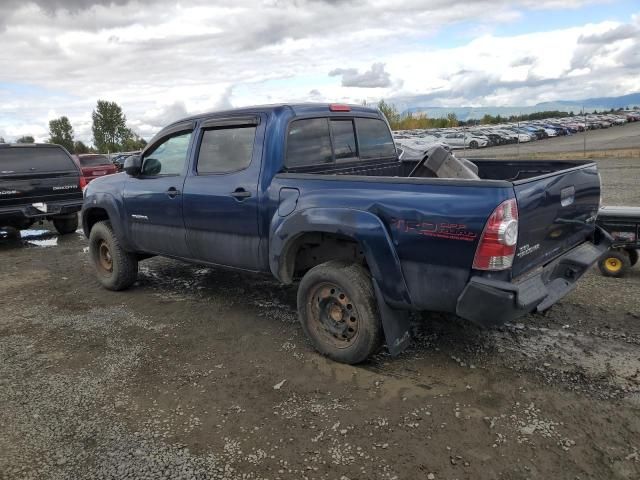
column 633, row 256
column 614, row 263
column 116, row 268
column 66, row 225
column 338, row 312
column 473, row 144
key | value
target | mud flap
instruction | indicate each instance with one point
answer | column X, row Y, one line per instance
column 395, row 324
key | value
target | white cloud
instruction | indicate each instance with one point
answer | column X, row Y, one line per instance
column 375, row 77
column 161, row 60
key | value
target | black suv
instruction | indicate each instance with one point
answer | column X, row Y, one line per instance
column 38, row 182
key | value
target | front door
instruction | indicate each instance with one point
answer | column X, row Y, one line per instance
column 154, row 199
column 221, row 193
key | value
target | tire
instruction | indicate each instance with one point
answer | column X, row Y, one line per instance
column 614, row 263
column 338, row 312
column 116, row 268
column 633, row 256
column 473, row 144
column 66, row 225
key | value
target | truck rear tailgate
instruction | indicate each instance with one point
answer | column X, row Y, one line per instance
column 37, row 175
column 557, row 211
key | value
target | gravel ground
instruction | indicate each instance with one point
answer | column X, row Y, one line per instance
column 200, row 373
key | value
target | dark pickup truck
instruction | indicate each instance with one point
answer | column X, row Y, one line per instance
column 39, row 182
column 318, row 193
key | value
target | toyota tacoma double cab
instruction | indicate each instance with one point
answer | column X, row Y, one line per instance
column 317, row 193
column 39, row 182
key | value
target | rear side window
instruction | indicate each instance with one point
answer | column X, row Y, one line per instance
column 344, row 140
column 374, row 139
column 226, row 149
column 308, row 143
column 34, row 160
column 93, row 160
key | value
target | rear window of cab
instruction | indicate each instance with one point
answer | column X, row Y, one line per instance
column 35, row 160
column 328, row 140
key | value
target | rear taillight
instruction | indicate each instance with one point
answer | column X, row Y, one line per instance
column 83, row 182
column 497, row 245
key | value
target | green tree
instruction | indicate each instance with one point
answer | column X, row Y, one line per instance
column 80, row 148
column 133, row 142
column 61, row 133
column 25, row 139
column 109, row 127
column 452, row 120
column 390, row 112
column 2, row 140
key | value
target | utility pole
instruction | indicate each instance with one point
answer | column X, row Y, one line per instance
column 518, row 134
column 584, row 138
column 464, row 138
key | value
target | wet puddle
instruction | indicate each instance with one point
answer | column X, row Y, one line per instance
column 28, row 238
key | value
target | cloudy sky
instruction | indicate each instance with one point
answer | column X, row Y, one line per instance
column 164, row 59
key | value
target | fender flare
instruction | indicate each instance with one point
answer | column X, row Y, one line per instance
column 106, row 202
column 361, row 226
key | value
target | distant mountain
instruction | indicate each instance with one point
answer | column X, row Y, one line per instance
column 623, row 101
column 465, row 113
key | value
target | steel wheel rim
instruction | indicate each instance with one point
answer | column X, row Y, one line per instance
column 333, row 315
column 105, row 259
column 613, row 264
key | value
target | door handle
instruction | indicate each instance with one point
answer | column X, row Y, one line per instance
column 173, row 192
column 240, row 193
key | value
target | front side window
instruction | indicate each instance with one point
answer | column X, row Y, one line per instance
column 344, row 139
column 169, row 157
column 308, row 143
column 226, row 150
column 374, row 139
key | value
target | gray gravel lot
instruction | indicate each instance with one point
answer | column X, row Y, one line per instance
column 200, row 373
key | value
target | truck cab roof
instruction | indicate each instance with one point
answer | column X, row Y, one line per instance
column 29, row 145
column 297, row 109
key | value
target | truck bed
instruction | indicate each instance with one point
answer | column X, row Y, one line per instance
column 509, row 170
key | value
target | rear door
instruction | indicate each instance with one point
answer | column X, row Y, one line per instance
column 221, row 193
column 153, row 199
column 556, row 212
column 37, row 174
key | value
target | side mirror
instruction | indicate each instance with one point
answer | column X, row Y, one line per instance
column 152, row 166
column 133, row 165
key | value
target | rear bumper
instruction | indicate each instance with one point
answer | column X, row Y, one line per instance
column 28, row 211
column 492, row 303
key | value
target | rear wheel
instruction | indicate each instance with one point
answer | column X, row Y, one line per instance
column 66, row 225
column 116, row 268
column 338, row 312
column 614, row 263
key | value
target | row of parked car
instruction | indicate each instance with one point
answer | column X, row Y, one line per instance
column 509, row 133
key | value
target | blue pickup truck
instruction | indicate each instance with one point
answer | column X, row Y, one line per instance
column 318, row 193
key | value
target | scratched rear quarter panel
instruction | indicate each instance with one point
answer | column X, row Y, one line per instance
column 435, row 226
